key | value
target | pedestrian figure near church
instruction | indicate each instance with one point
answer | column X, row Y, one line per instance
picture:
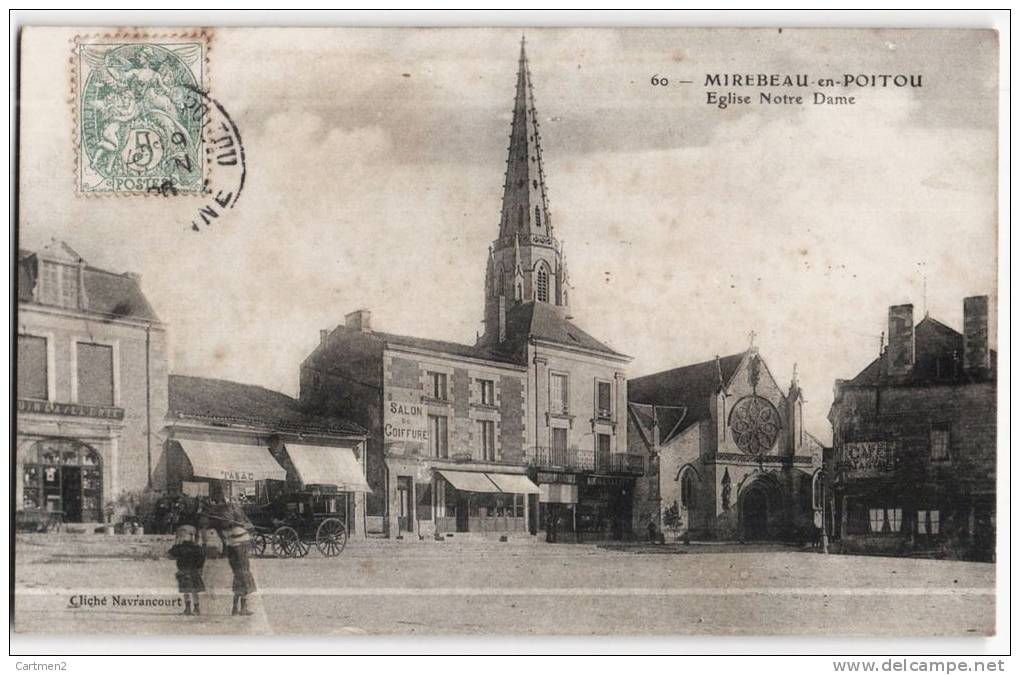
column 551, row 521
column 234, row 529
column 190, row 556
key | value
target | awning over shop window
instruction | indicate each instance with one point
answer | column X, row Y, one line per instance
column 557, row 493
column 231, row 461
column 469, row 481
column 514, row 483
column 323, row 465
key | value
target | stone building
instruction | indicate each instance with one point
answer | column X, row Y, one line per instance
column 251, row 444
column 914, row 440
column 727, row 452
column 522, row 429
column 91, row 386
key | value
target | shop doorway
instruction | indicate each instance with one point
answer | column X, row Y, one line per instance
column 64, row 478
column 405, row 503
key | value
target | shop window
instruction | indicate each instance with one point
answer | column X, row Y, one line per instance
column 487, row 439
column 95, row 374
column 928, row 522
column 439, row 442
column 487, row 392
column 64, row 476
column 33, row 368
column 939, row 443
column 437, row 385
column 603, row 400
column 558, row 394
column 885, row 520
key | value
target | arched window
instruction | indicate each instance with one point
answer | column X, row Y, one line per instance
column 687, row 487
column 538, row 217
column 542, row 284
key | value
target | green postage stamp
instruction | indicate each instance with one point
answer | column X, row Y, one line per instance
column 139, row 113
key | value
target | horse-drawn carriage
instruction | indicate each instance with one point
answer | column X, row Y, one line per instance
column 293, row 521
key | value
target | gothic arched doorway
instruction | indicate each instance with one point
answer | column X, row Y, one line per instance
column 758, row 507
column 65, row 476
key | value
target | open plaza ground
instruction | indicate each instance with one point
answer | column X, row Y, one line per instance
column 125, row 585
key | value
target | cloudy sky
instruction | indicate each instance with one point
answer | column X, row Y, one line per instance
column 375, row 165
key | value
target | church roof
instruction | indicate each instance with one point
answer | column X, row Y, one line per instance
column 542, row 321
column 690, row 387
column 524, row 191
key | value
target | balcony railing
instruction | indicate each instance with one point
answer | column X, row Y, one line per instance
column 575, row 459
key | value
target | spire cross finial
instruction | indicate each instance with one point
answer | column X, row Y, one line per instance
column 751, row 337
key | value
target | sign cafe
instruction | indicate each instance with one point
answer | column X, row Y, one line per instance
column 868, row 458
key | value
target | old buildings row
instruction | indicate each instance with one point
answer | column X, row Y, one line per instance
column 533, row 429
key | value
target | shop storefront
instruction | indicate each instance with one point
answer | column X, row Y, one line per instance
column 63, row 478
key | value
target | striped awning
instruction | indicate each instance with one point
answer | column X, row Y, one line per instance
column 232, row 461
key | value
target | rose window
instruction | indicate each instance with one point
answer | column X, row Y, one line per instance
column 755, row 425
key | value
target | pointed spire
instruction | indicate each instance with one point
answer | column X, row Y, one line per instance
column 525, row 207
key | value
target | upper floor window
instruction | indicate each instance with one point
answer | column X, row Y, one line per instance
column 437, row 385
column 487, row 439
column 558, row 401
column 95, row 374
column 439, row 440
column 58, row 284
column 487, row 392
column 939, row 442
column 542, row 284
column 33, row 368
column 603, row 400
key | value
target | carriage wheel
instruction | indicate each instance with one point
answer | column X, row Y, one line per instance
column 287, row 543
column 331, row 537
column 258, row 544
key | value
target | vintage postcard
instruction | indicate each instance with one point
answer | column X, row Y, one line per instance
column 491, row 331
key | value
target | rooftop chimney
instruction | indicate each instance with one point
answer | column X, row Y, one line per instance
column 360, row 320
column 323, row 335
column 900, row 350
column 975, row 333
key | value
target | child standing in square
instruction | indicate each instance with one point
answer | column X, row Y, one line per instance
column 190, row 557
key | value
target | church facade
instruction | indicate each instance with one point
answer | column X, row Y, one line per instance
column 727, row 453
column 522, row 432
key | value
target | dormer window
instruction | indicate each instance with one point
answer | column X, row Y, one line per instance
column 58, row 284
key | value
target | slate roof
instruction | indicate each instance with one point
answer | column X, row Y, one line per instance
column 106, row 292
column 689, row 387
column 933, row 340
column 441, row 346
column 224, row 401
column 542, row 321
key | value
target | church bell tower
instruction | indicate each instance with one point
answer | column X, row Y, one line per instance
column 526, row 262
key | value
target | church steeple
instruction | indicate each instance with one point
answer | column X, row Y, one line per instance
column 525, row 209
column 525, row 262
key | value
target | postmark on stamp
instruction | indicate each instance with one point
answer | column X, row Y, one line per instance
column 134, row 129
